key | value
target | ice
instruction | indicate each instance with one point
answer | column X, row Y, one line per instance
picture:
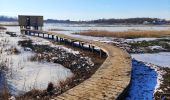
column 35, row 75
column 161, row 59
column 113, row 28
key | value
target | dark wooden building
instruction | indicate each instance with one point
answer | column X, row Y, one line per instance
column 28, row 22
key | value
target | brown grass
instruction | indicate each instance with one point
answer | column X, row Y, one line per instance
column 127, row 34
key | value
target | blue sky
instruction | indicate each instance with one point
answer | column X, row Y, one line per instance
column 87, row 9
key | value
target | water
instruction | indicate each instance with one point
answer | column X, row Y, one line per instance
column 112, row 28
column 144, row 80
column 68, row 29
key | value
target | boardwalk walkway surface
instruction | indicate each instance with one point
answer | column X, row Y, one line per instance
column 109, row 82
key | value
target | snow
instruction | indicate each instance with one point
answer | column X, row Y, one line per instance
column 35, row 75
column 156, row 48
column 140, row 40
column 161, row 59
column 41, row 41
column 24, row 75
column 159, row 77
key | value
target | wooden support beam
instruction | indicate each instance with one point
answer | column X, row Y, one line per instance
column 92, row 48
column 25, row 32
column 100, row 53
column 29, row 32
column 57, row 38
column 82, row 45
column 72, row 43
column 89, row 47
column 48, row 36
column 65, row 41
column 52, row 37
column 61, row 39
column 43, row 35
column 79, row 44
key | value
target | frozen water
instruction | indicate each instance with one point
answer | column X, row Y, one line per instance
column 161, row 59
column 113, row 28
column 34, row 75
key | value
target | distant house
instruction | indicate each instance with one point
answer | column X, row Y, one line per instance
column 146, row 22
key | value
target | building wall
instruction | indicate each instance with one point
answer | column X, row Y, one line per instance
column 34, row 20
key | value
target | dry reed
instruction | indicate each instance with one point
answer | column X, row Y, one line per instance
column 127, row 34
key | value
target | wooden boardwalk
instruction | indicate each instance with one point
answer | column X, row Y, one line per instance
column 109, row 82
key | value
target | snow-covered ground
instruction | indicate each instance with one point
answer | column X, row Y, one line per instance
column 161, row 59
column 41, row 41
column 23, row 75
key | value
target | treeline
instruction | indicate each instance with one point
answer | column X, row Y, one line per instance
column 8, row 19
column 114, row 21
column 130, row 21
column 102, row 21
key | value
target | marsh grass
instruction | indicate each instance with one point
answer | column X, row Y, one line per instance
column 127, row 34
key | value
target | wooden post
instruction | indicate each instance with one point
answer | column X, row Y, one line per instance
column 64, row 41
column 25, row 32
column 43, row 35
column 92, row 48
column 29, row 33
column 72, row 43
column 60, row 39
column 57, row 38
column 82, row 45
column 79, row 44
column 38, row 34
column 100, row 53
column 52, row 37
column 48, row 36
column 89, row 47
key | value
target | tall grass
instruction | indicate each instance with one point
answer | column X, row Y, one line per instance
column 127, row 34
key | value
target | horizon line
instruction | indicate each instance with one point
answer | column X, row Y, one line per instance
column 87, row 19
